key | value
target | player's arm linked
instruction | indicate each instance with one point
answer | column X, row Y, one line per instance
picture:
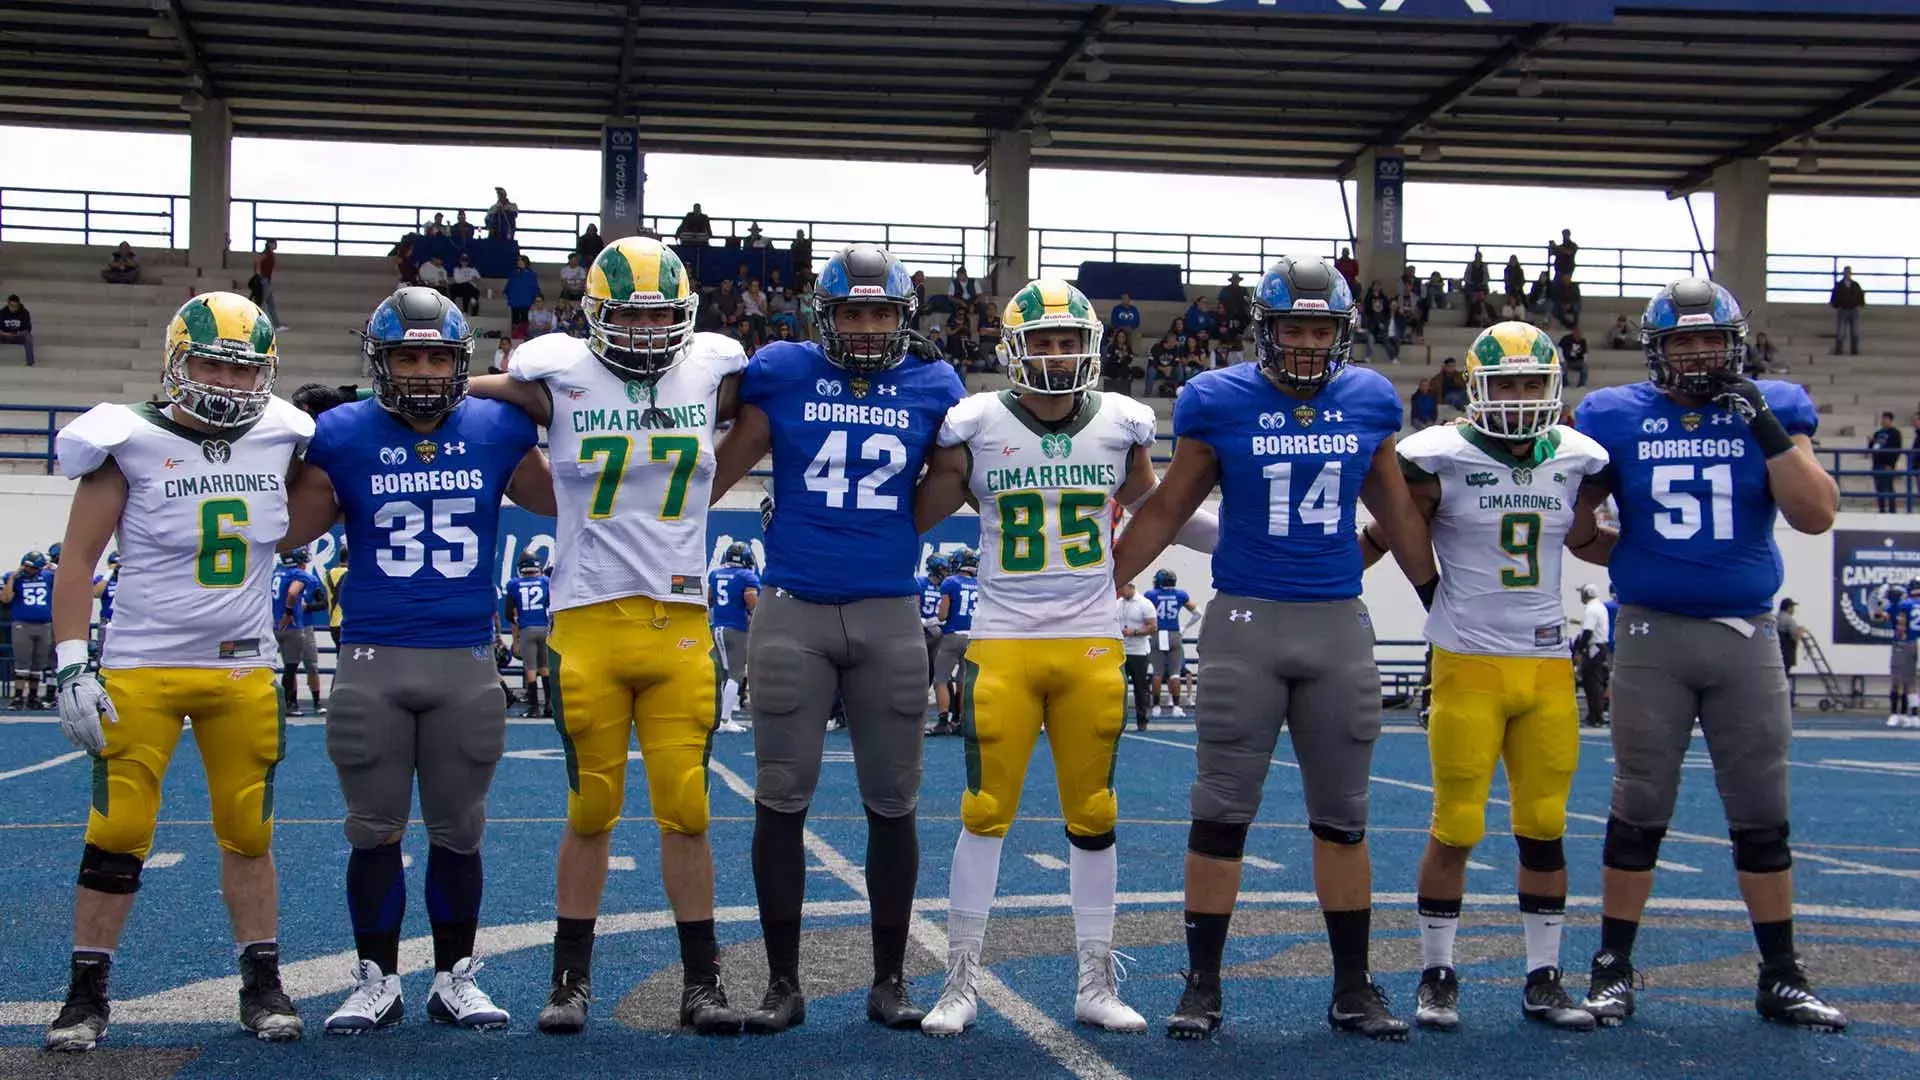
column 1424, row 489
column 942, row 491
column 532, row 398
column 311, row 506
column 1586, row 537
column 1201, row 530
column 1384, row 491
column 1192, row 475
column 741, row 448
column 531, row 486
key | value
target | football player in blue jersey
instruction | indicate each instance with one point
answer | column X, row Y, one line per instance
column 105, row 587
column 529, row 604
column 929, row 585
column 293, row 583
column 959, row 596
column 1294, row 442
column 1170, row 604
column 735, row 589
column 30, row 590
column 1702, row 458
column 1903, row 616
column 418, row 472
column 850, row 422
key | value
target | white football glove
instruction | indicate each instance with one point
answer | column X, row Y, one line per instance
column 83, row 701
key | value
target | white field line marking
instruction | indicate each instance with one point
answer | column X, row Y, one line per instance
column 620, row 862
column 1045, row 861
column 1259, row 863
column 162, row 860
column 50, row 763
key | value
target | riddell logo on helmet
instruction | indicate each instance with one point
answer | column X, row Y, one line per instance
column 1694, row 319
column 1311, row 305
column 866, row 290
column 419, row 333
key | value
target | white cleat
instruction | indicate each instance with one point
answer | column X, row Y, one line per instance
column 1098, row 1001
column 456, row 999
column 375, row 1002
column 1895, row 720
column 959, row 995
column 731, row 727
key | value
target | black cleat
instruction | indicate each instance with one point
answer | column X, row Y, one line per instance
column 565, row 1012
column 1436, row 1004
column 781, row 1008
column 265, row 1008
column 1198, row 1014
column 1610, row 989
column 703, row 1007
column 888, row 1003
column 1786, row 997
column 83, row 1019
column 1360, row 1008
column 1546, row 1001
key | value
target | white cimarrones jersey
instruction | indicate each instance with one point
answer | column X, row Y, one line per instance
column 1046, row 523
column 632, row 470
column 1498, row 534
column 197, row 536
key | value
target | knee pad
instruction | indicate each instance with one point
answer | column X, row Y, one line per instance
column 1342, row 837
column 1101, row 842
column 240, row 828
column 1540, row 817
column 678, row 787
column 1094, row 815
column 459, row 833
column 1631, row 847
column 593, row 805
column 1541, row 856
column 1218, row 839
column 1762, row 851
column 986, row 815
column 1455, row 824
column 364, row 831
column 109, row 872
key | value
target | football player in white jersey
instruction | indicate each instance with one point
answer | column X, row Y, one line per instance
column 630, row 415
column 1503, row 490
column 1043, row 462
column 196, row 489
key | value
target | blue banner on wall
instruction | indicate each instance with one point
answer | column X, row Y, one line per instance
column 1389, row 177
column 1563, row 11
column 622, row 183
column 1865, row 563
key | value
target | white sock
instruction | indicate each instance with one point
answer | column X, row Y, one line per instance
column 1543, row 938
column 1093, row 877
column 974, row 880
column 1913, row 704
column 729, row 699
column 1436, row 939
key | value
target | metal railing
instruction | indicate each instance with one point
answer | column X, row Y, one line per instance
column 32, row 427
column 58, row 216
column 1895, row 490
column 1204, row 259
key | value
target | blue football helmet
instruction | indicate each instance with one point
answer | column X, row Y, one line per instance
column 33, row 562
column 113, row 558
column 864, row 274
column 53, row 552
column 1165, row 579
column 1688, row 306
column 1302, row 287
column 528, row 563
column 936, row 564
column 416, row 317
column 737, row 554
column 297, row 557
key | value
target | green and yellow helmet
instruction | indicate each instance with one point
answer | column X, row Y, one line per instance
column 221, row 360
column 1515, row 353
column 640, row 307
column 1050, row 363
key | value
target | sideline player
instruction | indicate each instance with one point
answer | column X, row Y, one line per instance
column 959, row 597
column 196, row 490
column 105, row 588
column 1903, row 615
column 630, row 414
column 1702, row 458
column 1294, row 441
column 929, row 592
column 1170, row 604
column 292, row 585
column 30, row 592
column 1042, row 461
column 335, row 576
column 529, row 596
column 849, row 422
column 1502, row 491
column 417, row 471
column 1138, row 623
column 735, row 589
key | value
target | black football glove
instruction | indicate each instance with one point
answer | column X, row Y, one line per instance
column 1427, row 590
column 1742, row 397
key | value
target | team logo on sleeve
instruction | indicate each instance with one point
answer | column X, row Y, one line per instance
column 1057, row 445
column 1305, row 415
column 217, row 451
column 426, row 450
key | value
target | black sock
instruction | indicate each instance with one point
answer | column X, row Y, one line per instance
column 377, row 902
column 893, row 870
column 454, row 886
column 573, row 947
column 1206, row 940
column 780, row 885
column 1776, row 943
column 1616, row 935
column 314, row 690
column 546, row 686
column 1347, row 934
column 290, row 689
column 699, row 953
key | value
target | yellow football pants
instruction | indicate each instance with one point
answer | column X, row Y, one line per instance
column 1492, row 708
column 1073, row 688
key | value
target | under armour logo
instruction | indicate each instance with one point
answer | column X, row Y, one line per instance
column 1240, row 616
column 1639, row 629
column 1332, row 416
column 1721, row 418
column 393, row 455
column 887, row 390
column 363, row 654
column 454, row 447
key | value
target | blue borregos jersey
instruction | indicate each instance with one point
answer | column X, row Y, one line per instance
column 846, row 454
column 1167, row 604
column 1613, row 621
column 1906, row 620
column 107, row 594
column 727, row 596
column 422, row 516
column 929, row 597
column 1290, row 475
column 284, row 578
column 532, row 600
column 33, row 597
column 963, row 595
column 1696, row 514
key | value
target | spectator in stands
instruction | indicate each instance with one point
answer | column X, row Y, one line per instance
column 523, row 286
column 1622, row 335
column 781, row 309
column 1177, row 330
column 263, row 267
column 1349, row 268
column 1195, row 360
column 802, row 252
column 1561, row 255
column 961, row 291
column 436, row 227
column 726, row 304
column 462, row 230
column 1377, row 315
column 1476, row 284
column 502, row 352
column 501, row 215
column 1846, row 301
column 1407, row 304
column 754, row 239
column 1423, row 407
column 540, row 318
column 937, row 337
column 919, row 280
column 16, row 326
column 1573, row 354
column 986, row 331
column 1162, row 377
column 1124, row 316
column 1885, row 444
column 1436, row 292
column 694, row 228
column 1515, row 279
column 1563, row 300
column 406, row 269
column 753, row 307
column 1116, row 363
column 1759, row 355
column 568, row 319
column 1453, row 384
column 433, row 274
column 1200, row 316
column 123, row 268
column 573, row 278
column 589, row 245
column 1236, row 303
column 465, row 290
column 1512, row 310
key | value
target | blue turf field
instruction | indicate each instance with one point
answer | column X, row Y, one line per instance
column 1856, row 792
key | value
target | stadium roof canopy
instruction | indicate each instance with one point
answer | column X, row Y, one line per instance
column 1613, row 92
